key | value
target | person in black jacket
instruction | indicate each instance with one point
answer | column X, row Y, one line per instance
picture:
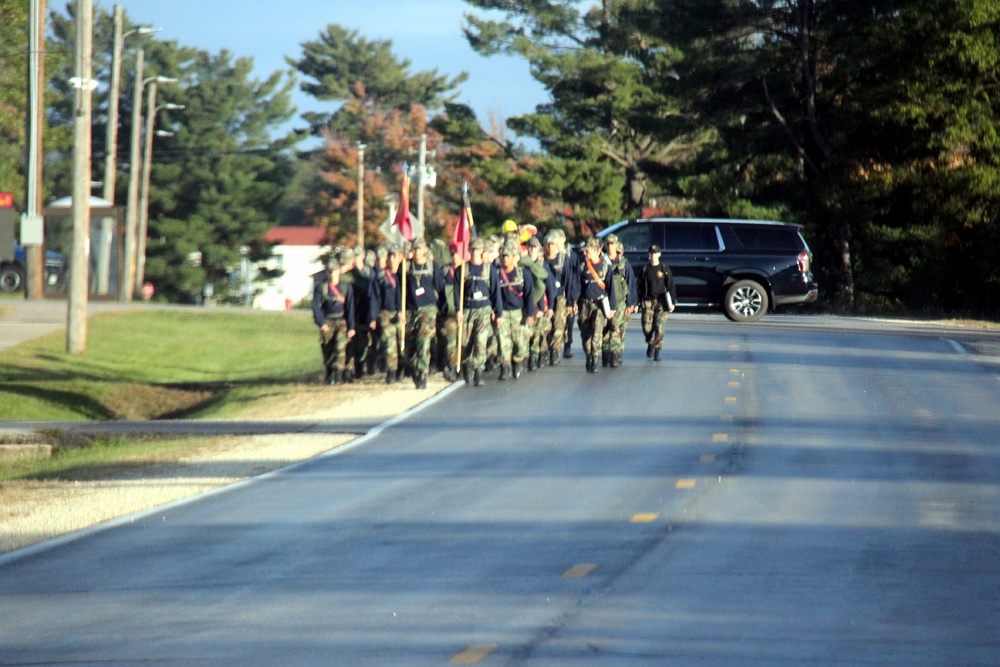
column 597, row 300
column 333, row 312
column 424, row 292
column 657, row 296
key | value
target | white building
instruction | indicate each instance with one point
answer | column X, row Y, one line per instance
column 297, row 254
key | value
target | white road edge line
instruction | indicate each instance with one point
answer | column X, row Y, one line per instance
column 963, row 351
column 52, row 543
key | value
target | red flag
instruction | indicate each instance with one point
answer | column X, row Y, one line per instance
column 402, row 221
column 460, row 239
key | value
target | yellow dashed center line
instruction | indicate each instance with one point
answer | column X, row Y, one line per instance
column 473, row 654
column 685, row 484
column 645, row 517
column 730, row 399
column 707, row 458
column 579, row 571
column 720, row 437
column 734, row 384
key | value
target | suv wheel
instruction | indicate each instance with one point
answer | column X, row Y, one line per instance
column 746, row 301
column 11, row 278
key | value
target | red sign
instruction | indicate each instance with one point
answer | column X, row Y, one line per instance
column 147, row 290
column 6, row 200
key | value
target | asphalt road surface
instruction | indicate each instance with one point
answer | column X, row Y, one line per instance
column 800, row 491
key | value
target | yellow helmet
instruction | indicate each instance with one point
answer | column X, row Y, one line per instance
column 509, row 226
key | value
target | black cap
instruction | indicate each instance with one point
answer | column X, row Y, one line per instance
column 654, row 248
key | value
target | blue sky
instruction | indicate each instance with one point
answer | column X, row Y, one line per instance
column 427, row 32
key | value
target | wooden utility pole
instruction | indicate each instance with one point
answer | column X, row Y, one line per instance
column 76, row 329
column 34, row 200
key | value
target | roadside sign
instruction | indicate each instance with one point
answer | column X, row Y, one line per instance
column 147, row 291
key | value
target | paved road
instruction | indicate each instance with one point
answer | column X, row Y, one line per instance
column 804, row 491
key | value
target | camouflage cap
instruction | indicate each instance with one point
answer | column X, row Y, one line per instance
column 346, row 255
column 395, row 249
column 511, row 250
column 551, row 237
column 593, row 243
column 533, row 242
column 610, row 240
column 477, row 244
column 419, row 242
column 370, row 258
column 381, row 251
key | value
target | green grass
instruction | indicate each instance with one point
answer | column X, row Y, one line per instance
column 157, row 364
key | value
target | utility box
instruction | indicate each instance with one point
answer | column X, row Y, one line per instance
column 8, row 220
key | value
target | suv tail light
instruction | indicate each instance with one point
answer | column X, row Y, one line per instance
column 803, row 262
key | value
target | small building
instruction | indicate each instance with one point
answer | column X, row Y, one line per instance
column 297, row 254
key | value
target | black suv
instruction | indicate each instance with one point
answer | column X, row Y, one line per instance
column 743, row 266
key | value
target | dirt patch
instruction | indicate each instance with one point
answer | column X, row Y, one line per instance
column 33, row 511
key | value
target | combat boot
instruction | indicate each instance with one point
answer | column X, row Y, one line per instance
column 477, row 379
column 616, row 359
column 467, row 372
column 504, row 373
column 347, row 377
column 649, row 351
column 517, row 370
column 568, row 352
column 554, row 358
column 449, row 374
column 656, row 354
column 390, row 377
column 605, row 359
column 538, row 361
column 531, row 363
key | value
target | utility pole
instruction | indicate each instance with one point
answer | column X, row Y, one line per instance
column 76, row 330
column 131, row 220
column 147, row 165
column 361, row 194
column 34, row 256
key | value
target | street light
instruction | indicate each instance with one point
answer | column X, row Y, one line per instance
column 147, row 160
column 111, row 138
column 131, row 222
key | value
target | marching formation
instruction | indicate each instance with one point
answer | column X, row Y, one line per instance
column 510, row 302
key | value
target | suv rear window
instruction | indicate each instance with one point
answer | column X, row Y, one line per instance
column 691, row 237
column 759, row 237
column 638, row 237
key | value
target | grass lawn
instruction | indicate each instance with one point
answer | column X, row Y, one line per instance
column 159, row 364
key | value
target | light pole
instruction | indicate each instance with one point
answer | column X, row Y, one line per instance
column 132, row 216
column 147, row 161
column 111, row 144
column 76, row 316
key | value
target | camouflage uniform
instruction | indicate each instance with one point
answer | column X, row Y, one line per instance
column 595, row 284
column 656, row 293
column 514, row 328
column 384, row 302
column 625, row 293
column 424, row 284
column 545, row 292
column 482, row 302
column 333, row 312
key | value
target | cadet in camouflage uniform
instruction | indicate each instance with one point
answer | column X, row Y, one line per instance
column 491, row 255
column 384, row 303
column 448, row 317
column 625, row 294
column 595, row 286
column 514, row 328
column 333, row 312
column 424, row 286
column 560, row 271
column 482, row 307
column 657, row 295
column 357, row 278
column 545, row 291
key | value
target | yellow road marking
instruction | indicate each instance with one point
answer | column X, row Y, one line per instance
column 726, row 418
column 707, row 458
column 734, row 346
column 734, row 371
column 720, row 437
column 730, row 399
column 685, row 484
column 579, row 571
column 734, row 384
column 473, row 654
column 645, row 517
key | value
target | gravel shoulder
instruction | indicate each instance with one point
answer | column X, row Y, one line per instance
column 34, row 511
